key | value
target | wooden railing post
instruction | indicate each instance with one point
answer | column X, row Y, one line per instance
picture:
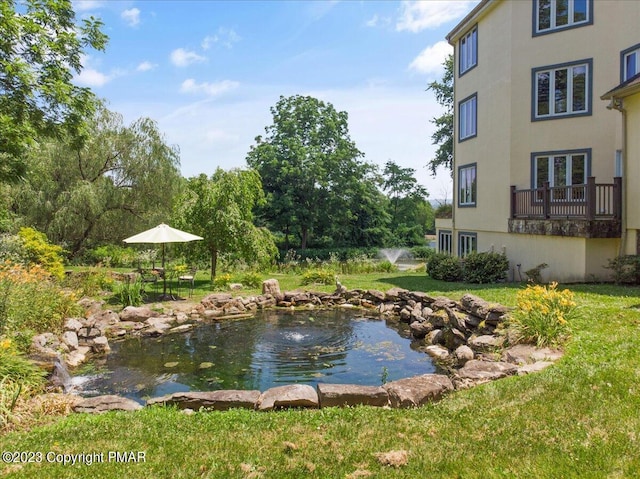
column 591, row 198
column 513, row 201
column 617, row 198
column 546, row 200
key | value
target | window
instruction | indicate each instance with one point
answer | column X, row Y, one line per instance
column 552, row 15
column 445, row 242
column 564, row 171
column 562, row 90
column 468, row 51
column 467, row 243
column 630, row 62
column 467, row 185
column 467, row 118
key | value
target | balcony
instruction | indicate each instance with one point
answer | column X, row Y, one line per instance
column 591, row 210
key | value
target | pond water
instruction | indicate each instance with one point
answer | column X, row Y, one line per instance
column 272, row 349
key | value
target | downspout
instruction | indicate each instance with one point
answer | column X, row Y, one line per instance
column 617, row 104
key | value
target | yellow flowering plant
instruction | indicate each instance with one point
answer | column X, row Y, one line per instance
column 543, row 315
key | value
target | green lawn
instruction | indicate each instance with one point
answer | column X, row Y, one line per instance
column 578, row 418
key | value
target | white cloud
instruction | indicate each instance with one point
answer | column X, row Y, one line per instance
column 416, row 16
column 131, row 16
column 85, row 5
column 224, row 36
column 430, row 60
column 209, row 89
column 92, row 78
column 146, row 66
column 182, row 58
column 373, row 21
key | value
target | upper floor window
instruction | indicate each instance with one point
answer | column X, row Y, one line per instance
column 468, row 117
column 468, row 51
column 467, row 185
column 562, row 90
column 551, row 15
column 630, row 62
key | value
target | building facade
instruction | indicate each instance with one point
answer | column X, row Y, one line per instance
column 541, row 167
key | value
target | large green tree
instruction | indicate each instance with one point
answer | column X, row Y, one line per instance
column 220, row 209
column 121, row 180
column 443, row 136
column 310, row 168
column 411, row 214
column 41, row 46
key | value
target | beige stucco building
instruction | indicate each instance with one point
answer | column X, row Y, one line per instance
column 546, row 162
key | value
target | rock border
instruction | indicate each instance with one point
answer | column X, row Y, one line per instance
column 465, row 338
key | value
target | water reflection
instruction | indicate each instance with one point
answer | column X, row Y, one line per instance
column 274, row 348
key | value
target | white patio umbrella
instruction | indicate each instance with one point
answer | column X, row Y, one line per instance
column 163, row 234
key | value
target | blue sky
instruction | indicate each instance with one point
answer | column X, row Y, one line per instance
column 208, row 71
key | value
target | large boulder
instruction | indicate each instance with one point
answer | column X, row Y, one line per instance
column 418, row 390
column 351, row 395
column 479, row 370
column 213, row 400
column 290, row 396
column 272, row 287
column 137, row 313
column 102, row 404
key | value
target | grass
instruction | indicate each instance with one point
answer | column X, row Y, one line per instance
column 578, row 418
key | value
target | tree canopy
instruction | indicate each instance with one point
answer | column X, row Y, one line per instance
column 220, row 209
column 443, row 136
column 41, row 46
column 122, row 179
column 312, row 174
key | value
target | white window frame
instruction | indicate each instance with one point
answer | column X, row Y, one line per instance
column 468, row 185
column 559, row 195
column 634, row 53
column 552, row 74
column 553, row 15
column 468, row 118
column 445, row 241
column 468, row 51
column 467, row 243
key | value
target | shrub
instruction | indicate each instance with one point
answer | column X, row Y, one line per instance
column 318, row 276
column 626, row 269
column 18, row 376
column 113, row 256
column 485, row 267
column 90, row 282
column 251, row 280
column 444, row 211
column 444, row 267
column 543, row 315
column 31, row 301
column 422, row 252
column 222, row 281
column 130, row 293
column 40, row 251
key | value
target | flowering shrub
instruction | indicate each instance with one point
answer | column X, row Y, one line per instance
column 543, row 314
column 40, row 251
column 222, row 281
column 318, row 276
column 31, row 301
column 18, row 376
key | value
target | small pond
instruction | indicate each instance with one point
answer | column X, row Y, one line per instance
column 272, row 349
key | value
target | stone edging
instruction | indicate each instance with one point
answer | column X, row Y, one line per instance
column 464, row 337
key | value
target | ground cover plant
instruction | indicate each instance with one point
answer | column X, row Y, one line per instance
column 577, row 418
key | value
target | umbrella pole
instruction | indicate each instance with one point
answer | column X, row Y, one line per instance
column 164, row 275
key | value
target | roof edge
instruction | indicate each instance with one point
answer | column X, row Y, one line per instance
column 471, row 16
column 626, row 88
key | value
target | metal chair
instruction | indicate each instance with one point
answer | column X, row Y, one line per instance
column 188, row 277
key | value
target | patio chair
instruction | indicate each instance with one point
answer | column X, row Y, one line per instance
column 188, row 277
column 149, row 277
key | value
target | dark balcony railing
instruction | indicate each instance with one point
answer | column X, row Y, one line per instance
column 589, row 201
